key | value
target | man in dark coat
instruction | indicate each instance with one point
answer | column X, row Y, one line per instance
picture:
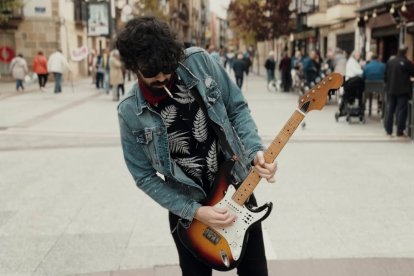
column 398, row 72
column 239, row 68
column 270, row 66
column 285, row 67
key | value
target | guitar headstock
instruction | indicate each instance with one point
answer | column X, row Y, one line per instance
column 316, row 97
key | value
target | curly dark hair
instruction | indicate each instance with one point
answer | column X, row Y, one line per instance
column 146, row 42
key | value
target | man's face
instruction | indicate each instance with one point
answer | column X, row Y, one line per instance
column 155, row 84
column 155, row 79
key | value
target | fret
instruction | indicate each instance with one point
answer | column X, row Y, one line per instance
column 252, row 180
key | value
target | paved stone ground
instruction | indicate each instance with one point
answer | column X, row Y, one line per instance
column 320, row 267
column 344, row 197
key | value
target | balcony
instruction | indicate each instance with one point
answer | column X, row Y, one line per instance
column 371, row 2
column 318, row 17
column 13, row 18
column 339, row 10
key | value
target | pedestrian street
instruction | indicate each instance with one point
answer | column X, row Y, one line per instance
column 343, row 197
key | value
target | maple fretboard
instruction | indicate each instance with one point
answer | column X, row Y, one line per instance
column 252, row 180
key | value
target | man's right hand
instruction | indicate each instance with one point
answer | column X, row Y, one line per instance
column 215, row 216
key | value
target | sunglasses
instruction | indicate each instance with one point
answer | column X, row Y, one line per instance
column 153, row 72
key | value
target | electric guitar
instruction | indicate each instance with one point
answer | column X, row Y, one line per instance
column 223, row 248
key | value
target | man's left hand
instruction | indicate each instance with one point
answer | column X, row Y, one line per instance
column 265, row 170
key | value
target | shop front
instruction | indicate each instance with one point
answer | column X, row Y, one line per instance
column 388, row 25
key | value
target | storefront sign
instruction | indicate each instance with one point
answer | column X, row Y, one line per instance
column 98, row 21
column 40, row 9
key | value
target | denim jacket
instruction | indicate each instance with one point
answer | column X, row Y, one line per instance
column 145, row 142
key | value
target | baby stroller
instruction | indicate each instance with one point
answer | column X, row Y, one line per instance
column 352, row 104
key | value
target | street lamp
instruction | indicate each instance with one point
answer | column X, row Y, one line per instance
column 404, row 7
column 392, row 10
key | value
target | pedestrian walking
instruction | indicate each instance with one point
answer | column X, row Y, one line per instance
column 116, row 76
column 182, row 120
column 18, row 69
column 329, row 62
column 296, row 72
column 91, row 65
column 270, row 65
column 340, row 62
column 99, row 65
column 106, row 58
column 40, row 68
column 311, row 67
column 57, row 64
column 239, row 68
column 285, row 67
column 230, row 55
column 398, row 72
column 247, row 58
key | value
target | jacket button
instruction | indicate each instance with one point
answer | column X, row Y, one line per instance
column 208, row 81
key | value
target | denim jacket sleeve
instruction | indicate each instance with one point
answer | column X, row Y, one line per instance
column 146, row 178
column 238, row 111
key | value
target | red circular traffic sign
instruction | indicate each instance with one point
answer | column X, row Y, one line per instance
column 6, row 54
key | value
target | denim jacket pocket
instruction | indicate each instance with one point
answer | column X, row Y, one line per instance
column 143, row 136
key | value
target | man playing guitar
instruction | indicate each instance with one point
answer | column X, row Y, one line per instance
column 180, row 124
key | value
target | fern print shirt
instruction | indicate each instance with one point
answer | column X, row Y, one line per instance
column 191, row 139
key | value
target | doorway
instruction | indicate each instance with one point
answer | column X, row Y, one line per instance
column 389, row 47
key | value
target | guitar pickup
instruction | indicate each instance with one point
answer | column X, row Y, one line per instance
column 211, row 236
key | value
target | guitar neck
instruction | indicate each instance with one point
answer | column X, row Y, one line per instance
column 252, row 180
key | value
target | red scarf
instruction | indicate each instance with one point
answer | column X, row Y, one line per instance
column 149, row 95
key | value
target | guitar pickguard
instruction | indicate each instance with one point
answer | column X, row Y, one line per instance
column 235, row 234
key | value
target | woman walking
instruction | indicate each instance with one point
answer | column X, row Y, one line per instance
column 18, row 68
column 40, row 68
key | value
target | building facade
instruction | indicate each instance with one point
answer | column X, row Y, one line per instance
column 198, row 22
column 45, row 25
column 378, row 26
column 75, row 25
column 333, row 25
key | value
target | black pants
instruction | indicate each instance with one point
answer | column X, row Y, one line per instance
column 397, row 105
column 239, row 81
column 253, row 261
column 286, row 80
column 42, row 78
column 353, row 90
column 121, row 89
